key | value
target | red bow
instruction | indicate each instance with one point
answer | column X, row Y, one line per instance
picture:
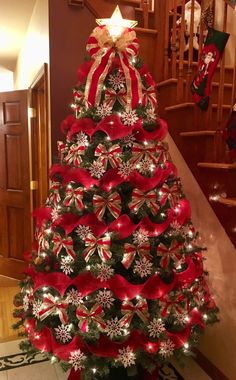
column 173, row 304
column 74, row 197
column 85, row 316
column 139, row 198
column 74, row 153
column 111, row 155
column 130, row 251
column 111, row 96
column 143, row 151
column 149, row 96
column 102, row 245
column 163, row 153
column 169, row 193
column 63, row 243
column 112, row 202
column 78, row 95
column 54, row 196
column 171, row 253
column 43, row 243
column 61, row 147
column 129, row 309
column 53, row 305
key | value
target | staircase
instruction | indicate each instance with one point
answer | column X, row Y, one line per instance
column 198, row 134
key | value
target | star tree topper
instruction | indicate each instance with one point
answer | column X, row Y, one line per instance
column 116, row 23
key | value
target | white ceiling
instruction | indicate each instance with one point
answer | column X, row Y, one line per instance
column 14, row 20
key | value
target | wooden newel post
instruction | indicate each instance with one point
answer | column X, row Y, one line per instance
column 161, row 12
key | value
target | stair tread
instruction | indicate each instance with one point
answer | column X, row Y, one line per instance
column 217, row 165
column 145, row 30
column 197, row 133
column 175, row 80
column 180, row 105
column 227, row 201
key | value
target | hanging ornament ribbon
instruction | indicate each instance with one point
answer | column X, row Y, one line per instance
column 111, row 96
column 128, row 309
column 74, row 153
column 170, row 253
column 130, row 251
column 112, row 202
column 53, row 305
column 169, row 193
column 63, row 243
column 102, row 245
column 139, row 198
column 85, row 316
column 103, row 50
column 149, row 96
column 74, row 197
column 111, row 155
column 142, row 151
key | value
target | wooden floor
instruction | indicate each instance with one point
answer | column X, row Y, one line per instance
column 8, row 289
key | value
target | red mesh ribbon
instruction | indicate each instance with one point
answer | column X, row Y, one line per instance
column 103, row 50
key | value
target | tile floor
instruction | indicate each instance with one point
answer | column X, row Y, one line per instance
column 46, row 371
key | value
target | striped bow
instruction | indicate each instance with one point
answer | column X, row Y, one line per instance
column 139, row 198
column 63, row 243
column 111, row 155
column 54, row 196
column 53, row 305
column 86, row 316
column 143, row 151
column 149, row 96
column 130, row 251
column 163, row 153
column 111, row 96
column 61, row 147
column 112, row 202
column 170, row 253
column 74, row 154
column 101, row 245
column 41, row 236
column 78, row 95
column 175, row 304
column 170, row 193
column 74, row 197
column 128, row 309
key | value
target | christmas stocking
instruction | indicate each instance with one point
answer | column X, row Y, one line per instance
column 210, row 56
column 230, row 132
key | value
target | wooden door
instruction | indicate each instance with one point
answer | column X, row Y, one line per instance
column 15, row 210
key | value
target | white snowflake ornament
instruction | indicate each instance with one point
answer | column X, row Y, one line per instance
column 104, row 298
column 117, row 80
column 97, row 169
column 140, row 236
column 156, row 327
column 104, row 110
column 143, row 267
column 129, row 117
column 128, row 140
column 82, row 139
column 83, row 231
column 74, row 297
column 26, row 302
column 113, row 328
column 77, row 359
column 151, row 115
column 37, row 305
column 166, row 348
column 125, row 169
column 145, row 166
column 126, row 356
column 104, row 272
column 66, row 263
column 63, row 333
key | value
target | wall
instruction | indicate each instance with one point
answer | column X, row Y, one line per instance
column 35, row 50
column 6, row 79
column 70, row 27
column 219, row 341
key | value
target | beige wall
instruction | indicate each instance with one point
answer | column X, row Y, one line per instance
column 6, row 79
column 35, row 50
column 219, row 341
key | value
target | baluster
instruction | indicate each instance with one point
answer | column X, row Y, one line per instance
column 173, row 42
column 180, row 84
column 190, row 55
column 145, row 8
column 166, row 41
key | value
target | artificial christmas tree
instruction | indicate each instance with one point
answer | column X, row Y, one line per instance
column 115, row 280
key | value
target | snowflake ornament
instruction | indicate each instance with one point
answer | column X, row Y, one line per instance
column 143, row 267
column 151, row 115
column 156, row 327
column 104, row 298
column 74, row 297
column 117, row 81
column 176, row 227
column 82, row 139
column 76, row 359
column 37, row 306
column 140, row 236
column 125, row 169
column 66, row 263
column 166, row 348
column 104, row 272
column 129, row 117
column 104, row 110
column 26, row 302
column 126, row 356
column 128, row 140
column 113, row 328
column 83, row 231
column 63, row 333
column 97, row 169
column 182, row 318
column 145, row 166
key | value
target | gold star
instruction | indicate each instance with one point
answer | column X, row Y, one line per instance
column 116, row 23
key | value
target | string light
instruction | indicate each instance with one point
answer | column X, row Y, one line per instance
column 94, row 370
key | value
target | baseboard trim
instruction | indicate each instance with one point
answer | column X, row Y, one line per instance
column 211, row 370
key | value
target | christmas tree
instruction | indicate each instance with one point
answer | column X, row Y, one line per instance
column 115, row 278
